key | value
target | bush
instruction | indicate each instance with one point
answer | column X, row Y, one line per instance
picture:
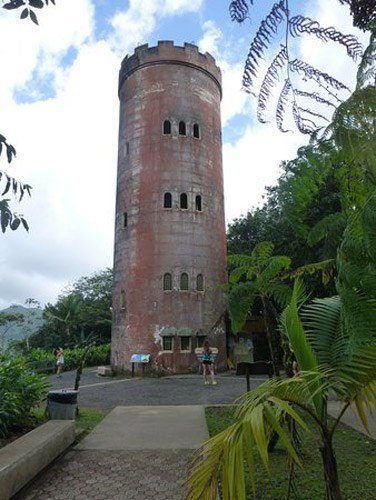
column 44, row 361
column 20, row 391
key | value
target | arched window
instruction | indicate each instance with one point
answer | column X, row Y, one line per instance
column 196, row 130
column 184, row 201
column 184, row 281
column 167, row 201
column 167, row 127
column 182, row 128
column 122, row 301
column 200, row 283
column 167, row 281
column 198, row 203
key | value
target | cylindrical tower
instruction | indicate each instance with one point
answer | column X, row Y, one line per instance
column 170, row 241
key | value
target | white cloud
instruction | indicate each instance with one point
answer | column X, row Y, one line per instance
column 234, row 101
column 252, row 163
column 133, row 26
column 67, row 144
column 25, row 47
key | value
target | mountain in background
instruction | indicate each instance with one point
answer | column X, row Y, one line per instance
column 33, row 320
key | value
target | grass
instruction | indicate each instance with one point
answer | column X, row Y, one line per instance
column 86, row 421
column 356, row 455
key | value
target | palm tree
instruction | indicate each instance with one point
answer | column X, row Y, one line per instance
column 333, row 340
column 66, row 312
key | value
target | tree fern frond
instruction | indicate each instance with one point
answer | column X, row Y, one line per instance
column 315, row 96
column 312, row 113
column 239, row 10
column 367, row 68
column 300, row 24
column 312, row 73
column 268, row 28
column 281, row 105
column 270, row 79
column 304, row 125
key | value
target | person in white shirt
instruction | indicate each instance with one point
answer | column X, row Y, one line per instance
column 59, row 361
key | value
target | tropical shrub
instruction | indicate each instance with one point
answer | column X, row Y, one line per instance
column 44, row 361
column 20, row 391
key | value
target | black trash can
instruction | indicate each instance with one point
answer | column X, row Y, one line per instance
column 62, row 404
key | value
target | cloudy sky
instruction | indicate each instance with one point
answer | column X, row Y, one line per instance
column 59, row 107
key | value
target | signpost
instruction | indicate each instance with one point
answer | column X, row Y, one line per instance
column 144, row 359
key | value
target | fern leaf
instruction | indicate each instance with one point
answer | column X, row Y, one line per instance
column 239, row 10
column 268, row 28
column 315, row 96
column 304, row 125
column 281, row 105
column 318, row 76
column 300, row 24
column 312, row 113
column 270, row 79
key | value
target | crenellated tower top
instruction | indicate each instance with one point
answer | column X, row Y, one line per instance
column 168, row 53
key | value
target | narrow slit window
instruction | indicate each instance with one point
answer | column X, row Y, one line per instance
column 198, row 203
column 167, row 281
column 167, row 127
column 167, row 343
column 200, row 283
column 167, row 201
column 125, row 220
column 122, row 301
column 184, row 201
column 196, row 131
column 185, row 344
column 182, row 128
column 127, row 148
column 184, row 281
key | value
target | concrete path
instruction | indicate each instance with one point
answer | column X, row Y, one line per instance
column 107, row 393
column 351, row 419
column 149, row 428
column 136, row 453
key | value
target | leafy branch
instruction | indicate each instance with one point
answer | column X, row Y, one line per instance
column 8, row 218
column 291, row 96
column 27, row 7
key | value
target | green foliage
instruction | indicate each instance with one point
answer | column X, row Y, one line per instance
column 356, row 460
column 254, row 276
column 38, row 358
column 82, row 311
column 333, row 339
column 20, row 392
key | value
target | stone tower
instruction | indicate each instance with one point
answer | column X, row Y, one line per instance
column 170, row 242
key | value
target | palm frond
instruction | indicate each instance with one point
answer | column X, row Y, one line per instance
column 300, row 24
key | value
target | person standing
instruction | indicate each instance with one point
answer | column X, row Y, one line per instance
column 59, row 361
column 207, row 363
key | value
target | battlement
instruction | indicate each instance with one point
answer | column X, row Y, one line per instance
column 168, row 53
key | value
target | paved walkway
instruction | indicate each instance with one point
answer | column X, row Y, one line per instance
column 138, row 453
column 351, row 419
column 107, row 393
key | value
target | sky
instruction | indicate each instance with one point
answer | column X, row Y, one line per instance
column 59, row 107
